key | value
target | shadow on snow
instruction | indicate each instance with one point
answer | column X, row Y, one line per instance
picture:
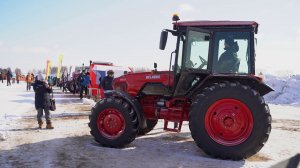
column 165, row 150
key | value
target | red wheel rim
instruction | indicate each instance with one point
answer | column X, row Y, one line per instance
column 111, row 123
column 229, row 122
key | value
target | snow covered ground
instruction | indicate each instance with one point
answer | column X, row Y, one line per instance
column 71, row 145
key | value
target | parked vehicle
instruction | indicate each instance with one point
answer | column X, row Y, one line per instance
column 228, row 117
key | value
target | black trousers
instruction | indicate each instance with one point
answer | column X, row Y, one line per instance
column 81, row 91
column 28, row 87
column 8, row 82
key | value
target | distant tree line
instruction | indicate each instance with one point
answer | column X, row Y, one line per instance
column 62, row 70
column 4, row 71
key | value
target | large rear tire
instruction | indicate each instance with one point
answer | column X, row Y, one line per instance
column 113, row 122
column 230, row 121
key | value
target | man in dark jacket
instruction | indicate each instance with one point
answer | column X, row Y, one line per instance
column 229, row 61
column 8, row 77
column 2, row 75
column 106, row 82
column 42, row 101
column 85, row 81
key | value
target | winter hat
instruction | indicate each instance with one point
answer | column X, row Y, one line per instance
column 40, row 77
column 110, row 72
column 229, row 41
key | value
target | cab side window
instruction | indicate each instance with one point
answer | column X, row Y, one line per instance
column 232, row 52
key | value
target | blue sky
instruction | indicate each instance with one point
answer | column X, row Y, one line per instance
column 127, row 32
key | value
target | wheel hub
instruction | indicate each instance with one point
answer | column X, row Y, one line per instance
column 229, row 122
column 111, row 123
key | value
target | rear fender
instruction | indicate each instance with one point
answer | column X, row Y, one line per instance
column 132, row 101
column 262, row 88
column 252, row 81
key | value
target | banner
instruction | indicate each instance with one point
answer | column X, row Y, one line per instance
column 48, row 69
column 60, row 58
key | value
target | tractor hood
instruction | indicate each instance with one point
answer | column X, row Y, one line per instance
column 134, row 82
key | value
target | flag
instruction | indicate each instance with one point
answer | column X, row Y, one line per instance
column 48, row 69
column 60, row 58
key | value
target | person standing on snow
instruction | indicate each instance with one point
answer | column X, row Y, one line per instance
column 2, row 75
column 18, row 78
column 32, row 77
column 8, row 76
column 85, row 81
column 79, row 79
column 107, row 81
column 28, row 81
column 42, row 101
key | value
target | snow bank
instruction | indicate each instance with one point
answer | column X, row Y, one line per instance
column 286, row 89
column 88, row 101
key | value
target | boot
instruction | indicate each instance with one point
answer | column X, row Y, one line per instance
column 40, row 122
column 49, row 125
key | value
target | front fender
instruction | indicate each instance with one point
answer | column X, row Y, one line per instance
column 133, row 102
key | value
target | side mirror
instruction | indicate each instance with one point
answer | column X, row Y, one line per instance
column 163, row 39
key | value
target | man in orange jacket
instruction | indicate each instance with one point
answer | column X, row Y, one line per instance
column 28, row 81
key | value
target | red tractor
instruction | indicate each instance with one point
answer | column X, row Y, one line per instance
column 209, row 84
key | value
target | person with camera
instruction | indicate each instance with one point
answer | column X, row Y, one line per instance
column 42, row 101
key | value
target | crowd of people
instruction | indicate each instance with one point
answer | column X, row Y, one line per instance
column 8, row 75
column 42, row 88
column 81, row 82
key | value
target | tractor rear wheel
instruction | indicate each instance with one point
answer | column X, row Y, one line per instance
column 151, row 123
column 113, row 122
column 230, row 121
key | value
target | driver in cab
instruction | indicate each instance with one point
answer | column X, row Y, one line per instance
column 229, row 61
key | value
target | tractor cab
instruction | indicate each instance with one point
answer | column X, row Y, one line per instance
column 207, row 49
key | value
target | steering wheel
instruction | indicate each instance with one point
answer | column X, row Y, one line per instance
column 203, row 62
column 190, row 64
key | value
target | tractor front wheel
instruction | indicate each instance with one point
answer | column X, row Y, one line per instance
column 113, row 122
column 230, row 121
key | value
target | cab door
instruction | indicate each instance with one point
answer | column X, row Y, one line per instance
column 196, row 63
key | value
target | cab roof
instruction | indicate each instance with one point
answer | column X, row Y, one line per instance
column 207, row 23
